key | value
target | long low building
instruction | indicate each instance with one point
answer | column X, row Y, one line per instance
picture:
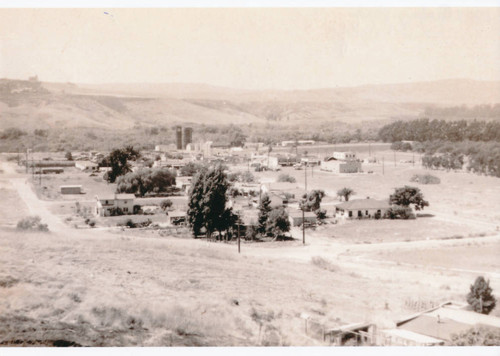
column 363, row 208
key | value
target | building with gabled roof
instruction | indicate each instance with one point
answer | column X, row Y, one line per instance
column 363, row 208
column 108, row 203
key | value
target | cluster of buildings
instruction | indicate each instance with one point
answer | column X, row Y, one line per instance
column 433, row 327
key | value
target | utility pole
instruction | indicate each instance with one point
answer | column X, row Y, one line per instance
column 303, row 227
column 394, row 158
column 369, row 149
column 239, row 249
column 305, row 176
column 27, row 151
column 413, row 159
column 40, row 175
column 383, row 165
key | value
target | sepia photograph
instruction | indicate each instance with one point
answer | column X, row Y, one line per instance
column 221, row 176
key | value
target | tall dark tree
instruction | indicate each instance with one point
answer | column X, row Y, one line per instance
column 264, row 210
column 407, row 196
column 195, row 203
column 207, row 202
column 480, row 296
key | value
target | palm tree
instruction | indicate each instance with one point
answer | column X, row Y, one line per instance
column 345, row 192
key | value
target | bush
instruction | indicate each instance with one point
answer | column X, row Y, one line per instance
column 482, row 336
column 32, row 223
column 480, row 297
column 425, row 179
column 400, row 212
column 166, row 204
column 286, row 178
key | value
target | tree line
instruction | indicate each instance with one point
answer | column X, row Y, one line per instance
column 422, row 130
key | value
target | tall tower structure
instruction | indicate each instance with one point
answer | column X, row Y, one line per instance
column 178, row 137
column 187, row 137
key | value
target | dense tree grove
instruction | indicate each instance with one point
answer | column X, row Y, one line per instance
column 450, row 144
column 430, row 130
column 146, row 180
column 207, row 203
column 480, row 296
column 482, row 111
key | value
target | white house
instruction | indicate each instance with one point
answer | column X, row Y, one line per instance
column 107, row 203
column 363, row 208
column 86, row 165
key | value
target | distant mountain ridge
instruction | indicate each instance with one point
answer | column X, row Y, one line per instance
column 41, row 104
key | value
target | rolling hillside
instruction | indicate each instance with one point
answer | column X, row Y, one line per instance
column 121, row 106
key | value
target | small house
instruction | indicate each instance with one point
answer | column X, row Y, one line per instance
column 363, row 208
column 183, row 183
column 71, row 189
column 86, row 166
column 296, row 218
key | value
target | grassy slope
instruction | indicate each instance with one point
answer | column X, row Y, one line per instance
column 126, row 291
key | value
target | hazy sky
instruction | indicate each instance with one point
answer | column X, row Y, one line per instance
column 251, row 48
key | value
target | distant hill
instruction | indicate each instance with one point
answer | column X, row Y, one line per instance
column 36, row 104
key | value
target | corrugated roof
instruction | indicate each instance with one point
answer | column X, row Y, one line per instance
column 363, row 204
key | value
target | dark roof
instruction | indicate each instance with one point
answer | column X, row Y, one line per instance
column 363, row 204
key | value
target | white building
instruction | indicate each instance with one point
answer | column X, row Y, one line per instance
column 107, row 203
column 344, row 156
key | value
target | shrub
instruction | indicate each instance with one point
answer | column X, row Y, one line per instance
column 425, row 179
column 32, row 223
column 166, row 204
column 480, row 297
column 481, row 336
column 323, row 264
column 286, row 178
column 399, row 212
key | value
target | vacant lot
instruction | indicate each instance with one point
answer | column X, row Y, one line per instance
column 92, row 185
column 476, row 256
column 375, row 231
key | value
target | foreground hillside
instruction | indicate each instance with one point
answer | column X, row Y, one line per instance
column 38, row 105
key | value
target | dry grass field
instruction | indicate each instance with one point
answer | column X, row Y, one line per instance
column 100, row 288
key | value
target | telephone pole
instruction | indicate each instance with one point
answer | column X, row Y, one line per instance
column 305, row 176
column 383, row 165
column 394, row 158
column 303, row 227
column 239, row 248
